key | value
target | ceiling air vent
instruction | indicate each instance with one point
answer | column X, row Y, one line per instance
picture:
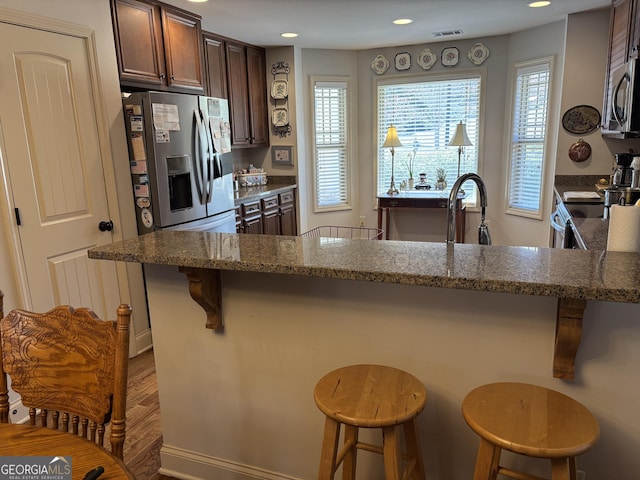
column 447, row 33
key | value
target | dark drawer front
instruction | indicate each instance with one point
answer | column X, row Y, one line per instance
column 286, row 197
column 270, row 202
column 250, row 207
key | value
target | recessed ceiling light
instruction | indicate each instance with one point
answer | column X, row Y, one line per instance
column 198, row 1
column 289, row 35
column 403, row 21
column 541, row 3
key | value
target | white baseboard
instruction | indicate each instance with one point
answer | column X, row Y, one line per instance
column 144, row 342
column 188, row 465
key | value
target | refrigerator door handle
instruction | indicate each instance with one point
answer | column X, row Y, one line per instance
column 218, row 164
column 210, row 158
column 201, row 153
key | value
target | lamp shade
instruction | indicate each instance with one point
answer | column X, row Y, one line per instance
column 392, row 139
column 460, row 138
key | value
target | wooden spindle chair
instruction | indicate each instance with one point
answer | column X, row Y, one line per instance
column 70, row 368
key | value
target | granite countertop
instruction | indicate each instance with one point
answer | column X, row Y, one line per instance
column 592, row 233
column 581, row 274
column 275, row 184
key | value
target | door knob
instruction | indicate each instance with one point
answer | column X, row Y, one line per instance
column 105, row 226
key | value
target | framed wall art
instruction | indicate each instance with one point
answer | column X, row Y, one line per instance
column 282, row 155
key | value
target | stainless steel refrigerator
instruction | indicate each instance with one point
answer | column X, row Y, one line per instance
column 180, row 161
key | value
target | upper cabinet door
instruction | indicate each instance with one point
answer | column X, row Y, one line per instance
column 158, row 46
column 247, row 86
column 256, row 76
column 182, row 34
column 238, row 95
column 138, row 37
column 215, row 66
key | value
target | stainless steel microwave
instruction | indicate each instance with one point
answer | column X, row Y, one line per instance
column 623, row 114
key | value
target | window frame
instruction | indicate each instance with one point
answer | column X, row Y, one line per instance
column 349, row 148
column 517, row 68
column 480, row 73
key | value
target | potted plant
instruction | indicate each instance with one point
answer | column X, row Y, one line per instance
column 409, row 164
column 441, row 179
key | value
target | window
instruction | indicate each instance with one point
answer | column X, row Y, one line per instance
column 331, row 145
column 528, row 133
column 425, row 112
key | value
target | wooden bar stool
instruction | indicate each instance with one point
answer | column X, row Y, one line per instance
column 370, row 396
column 528, row 420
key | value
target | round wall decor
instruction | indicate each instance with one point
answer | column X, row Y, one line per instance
column 581, row 119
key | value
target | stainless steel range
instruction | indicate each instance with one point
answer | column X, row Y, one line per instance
column 561, row 221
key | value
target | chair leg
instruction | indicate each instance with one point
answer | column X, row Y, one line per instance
column 561, row 469
column 487, row 461
column 391, row 453
column 413, row 450
column 351, row 456
column 329, row 449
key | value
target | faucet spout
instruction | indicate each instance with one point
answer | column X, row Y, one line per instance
column 483, row 232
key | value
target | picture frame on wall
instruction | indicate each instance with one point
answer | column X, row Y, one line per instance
column 282, row 155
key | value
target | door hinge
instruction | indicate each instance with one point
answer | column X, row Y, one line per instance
column 17, row 210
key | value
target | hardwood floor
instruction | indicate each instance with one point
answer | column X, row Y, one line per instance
column 144, row 431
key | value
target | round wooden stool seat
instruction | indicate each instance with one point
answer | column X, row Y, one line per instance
column 529, row 420
column 370, row 396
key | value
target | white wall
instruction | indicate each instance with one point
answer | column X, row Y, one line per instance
column 249, row 390
column 583, row 84
column 96, row 15
column 524, row 46
column 578, row 79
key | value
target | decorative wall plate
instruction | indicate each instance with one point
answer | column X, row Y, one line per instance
column 450, row 56
column 280, row 117
column 478, row 53
column 427, row 58
column 581, row 119
column 380, row 64
column 403, row 61
column 580, row 151
column 279, row 90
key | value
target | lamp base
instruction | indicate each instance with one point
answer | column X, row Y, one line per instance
column 392, row 188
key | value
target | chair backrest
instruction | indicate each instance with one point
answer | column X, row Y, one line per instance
column 69, row 367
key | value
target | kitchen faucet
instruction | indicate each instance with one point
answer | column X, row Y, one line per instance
column 484, row 238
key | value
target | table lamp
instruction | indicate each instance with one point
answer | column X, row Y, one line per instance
column 392, row 141
column 460, row 140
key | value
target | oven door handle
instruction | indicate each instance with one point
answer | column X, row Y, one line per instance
column 554, row 224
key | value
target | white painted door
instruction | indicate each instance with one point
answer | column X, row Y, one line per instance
column 50, row 152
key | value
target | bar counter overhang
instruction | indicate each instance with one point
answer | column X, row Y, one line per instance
column 454, row 315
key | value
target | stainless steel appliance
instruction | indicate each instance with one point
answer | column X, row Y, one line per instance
column 564, row 233
column 623, row 113
column 180, row 161
column 623, row 172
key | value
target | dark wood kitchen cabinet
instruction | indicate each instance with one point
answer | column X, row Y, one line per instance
column 247, row 89
column 270, row 215
column 251, row 221
column 215, row 65
column 158, row 46
column 288, row 217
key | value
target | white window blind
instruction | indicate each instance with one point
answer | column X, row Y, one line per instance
column 425, row 112
column 331, row 145
column 530, row 105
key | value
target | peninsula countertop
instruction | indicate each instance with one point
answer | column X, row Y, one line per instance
column 579, row 274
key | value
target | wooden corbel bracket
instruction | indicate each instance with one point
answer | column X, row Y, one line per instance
column 568, row 336
column 206, row 290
